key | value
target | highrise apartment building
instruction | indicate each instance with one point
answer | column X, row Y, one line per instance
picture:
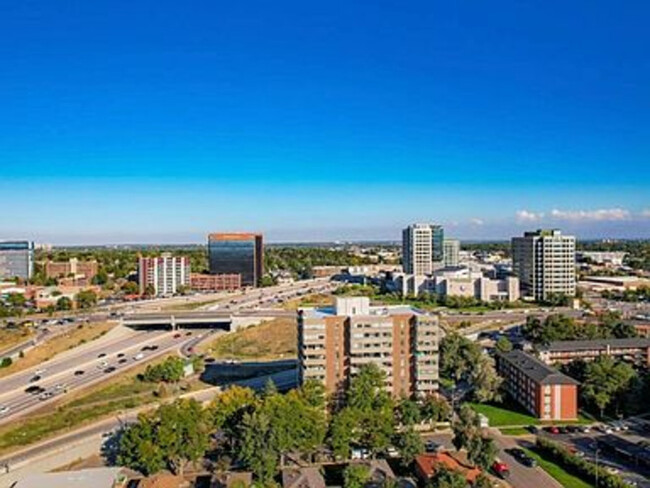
column 544, row 262
column 166, row 274
column 16, row 259
column 237, row 253
column 333, row 343
column 451, row 251
column 422, row 248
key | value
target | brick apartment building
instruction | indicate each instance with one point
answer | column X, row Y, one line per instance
column 333, row 343
column 635, row 350
column 218, row 282
column 80, row 271
column 540, row 389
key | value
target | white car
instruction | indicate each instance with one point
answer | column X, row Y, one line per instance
column 39, row 372
column 4, row 410
column 138, row 356
column 102, row 365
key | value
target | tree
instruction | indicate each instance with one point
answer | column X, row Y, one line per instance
column 503, row 345
column 482, row 451
column 343, row 431
column 130, row 288
column 446, row 478
column 16, row 300
column 458, row 355
column 183, row 433
column 64, row 303
column 101, row 278
column 138, row 447
column 435, row 408
column 313, row 393
column 482, row 481
column 228, row 408
column 486, row 381
column 150, row 290
column 257, row 446
column 356, row 476
column 465, row 428
column 605, row 381
column 409, row 443
column 408, row 412
column 86, row 299
column 171, row 370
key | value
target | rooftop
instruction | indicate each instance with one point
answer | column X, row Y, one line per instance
column 558, row 346
column 536, row 369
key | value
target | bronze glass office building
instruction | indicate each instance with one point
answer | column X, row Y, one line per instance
column 237, row 253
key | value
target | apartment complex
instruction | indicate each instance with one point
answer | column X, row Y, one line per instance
column 237, row 253
column 16, row 259
column 166, row 274
column 79, row 270
column 541, row 390
column 422, row 248
column 636, row 350
column 218, row 282
column 451, row 253
column 333, row 343
column 544, row 262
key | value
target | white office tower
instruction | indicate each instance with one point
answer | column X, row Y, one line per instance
column 544, row 262
column 422, row 248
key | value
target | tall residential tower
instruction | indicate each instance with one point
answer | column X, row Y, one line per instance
column 544, row 262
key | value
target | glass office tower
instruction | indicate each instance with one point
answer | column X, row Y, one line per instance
column 16, row 259
column 240, row 253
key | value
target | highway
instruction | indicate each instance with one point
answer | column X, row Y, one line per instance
column 95, row 364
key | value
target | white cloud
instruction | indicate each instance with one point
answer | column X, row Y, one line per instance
column 646, row 213
column 604, row 214
column 476, row 221
column 526, row 216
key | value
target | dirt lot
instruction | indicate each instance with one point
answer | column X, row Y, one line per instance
column 275, row 339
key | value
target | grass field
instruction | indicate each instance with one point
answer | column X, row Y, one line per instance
column 12, row 337
column 122, row 393
column 514, row 431
column 567, row 480
column 315, row 300
column 274, row 339
column 74, row 337
column 504, row 415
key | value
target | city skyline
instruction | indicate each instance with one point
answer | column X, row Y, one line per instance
column 313, row 123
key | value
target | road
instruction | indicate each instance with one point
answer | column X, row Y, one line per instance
column 520, row 475
column 86, row 441
column 94, row 365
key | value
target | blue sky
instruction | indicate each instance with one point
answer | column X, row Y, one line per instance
column 160, row 121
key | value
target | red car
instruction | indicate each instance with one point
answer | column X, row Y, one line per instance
column 501, row 469
column 552, row 430
column 176, row 336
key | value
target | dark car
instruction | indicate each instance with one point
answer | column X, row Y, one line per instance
column 101, row 355
column 34, row 390
column 563, row 429
column 153, row 347
column 188, row 333
column 79, row 372
column 552, row 429
column 120, row 355
column 34, row 379
column 521, row 456
column 110, row 369
column 123, row 360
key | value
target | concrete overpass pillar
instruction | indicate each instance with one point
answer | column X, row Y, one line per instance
column 172, row 320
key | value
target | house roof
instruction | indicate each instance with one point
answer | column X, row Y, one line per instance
column 429, row 463
column 309, row 477
column 535, row 369
column 586, row 345
column 84, row 478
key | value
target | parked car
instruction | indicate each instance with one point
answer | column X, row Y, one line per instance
column 552, row 429
column 501, row 469
column 79, row 372
column 431, row 446
column 521, row 456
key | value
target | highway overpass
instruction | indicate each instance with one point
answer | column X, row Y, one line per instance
column 198, row 320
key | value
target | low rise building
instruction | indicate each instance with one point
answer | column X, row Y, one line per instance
column 635, row 350
column 217, row 282
column 334, row 342
column 460, row 281
column 427, row 465
column 82, row 272
column 541, row 390
column 607, row 258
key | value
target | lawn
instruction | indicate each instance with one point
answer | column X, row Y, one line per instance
column 504, row 415
column 274, row 339
column 514, row 431
column 566, row 479
column 310, row 301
